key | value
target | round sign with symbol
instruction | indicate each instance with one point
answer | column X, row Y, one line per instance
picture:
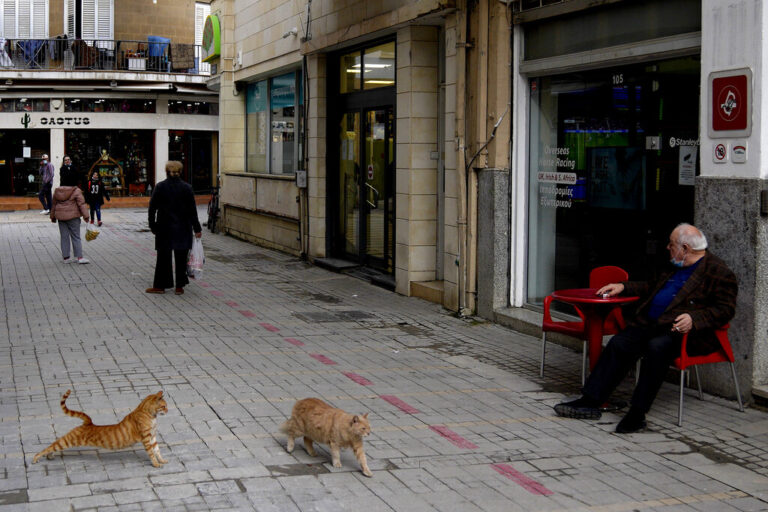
column 370, row 172
column 721, row 153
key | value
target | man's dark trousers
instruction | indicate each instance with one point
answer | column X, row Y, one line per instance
column 45, row 195
column 655, row 344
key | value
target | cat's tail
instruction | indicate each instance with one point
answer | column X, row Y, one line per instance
column 76, row 414
column 289, row 427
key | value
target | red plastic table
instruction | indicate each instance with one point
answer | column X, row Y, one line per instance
column 595, row 309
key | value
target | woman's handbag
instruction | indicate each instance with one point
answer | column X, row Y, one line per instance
column 196, row 259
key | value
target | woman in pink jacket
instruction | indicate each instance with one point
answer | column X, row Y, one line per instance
column 67, row 207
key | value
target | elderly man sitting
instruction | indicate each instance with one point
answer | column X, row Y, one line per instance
column 697, row 296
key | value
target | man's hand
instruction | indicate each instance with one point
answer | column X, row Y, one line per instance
column 199, row 234
column 611, row 289
column 683, row 323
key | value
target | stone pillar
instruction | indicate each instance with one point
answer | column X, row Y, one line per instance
column 161, row 154
column 733, row 37
column 492, row 241
column 416, row 174
column 56, row 153
column 317, row 143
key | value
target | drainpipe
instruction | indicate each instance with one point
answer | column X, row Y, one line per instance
column 461, row 125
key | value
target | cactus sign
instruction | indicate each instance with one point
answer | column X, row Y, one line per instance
column 211, row 38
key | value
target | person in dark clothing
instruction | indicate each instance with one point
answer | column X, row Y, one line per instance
column 46, row 186
column 68, row 174
column 172, row 219
column 697, row 297
column 95, row 195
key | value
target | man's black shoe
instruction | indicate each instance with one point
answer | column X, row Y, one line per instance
column 581, row 408
column 633, row 422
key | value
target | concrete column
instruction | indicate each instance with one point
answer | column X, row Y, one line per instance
column 733, row 37
column 161, row 154
column 56, row 153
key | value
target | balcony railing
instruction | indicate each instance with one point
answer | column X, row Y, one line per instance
column 59, row 54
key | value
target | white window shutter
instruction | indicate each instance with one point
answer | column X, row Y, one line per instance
column 104, row 17
column 9, row 19
column 69, row 18
column 39, row 19
column 88, row 18
column 202, row 11
column 24, row 13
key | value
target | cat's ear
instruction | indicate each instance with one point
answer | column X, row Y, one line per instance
column 365, row 415
column 159, row 394
column 355, row 419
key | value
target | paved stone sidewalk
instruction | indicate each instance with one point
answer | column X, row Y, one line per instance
column 461, row 421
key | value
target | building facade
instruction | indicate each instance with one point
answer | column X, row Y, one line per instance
column 97, row 78
column 483, row 153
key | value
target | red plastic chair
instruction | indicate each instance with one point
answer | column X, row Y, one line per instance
column 614, row 322
column 723, row 355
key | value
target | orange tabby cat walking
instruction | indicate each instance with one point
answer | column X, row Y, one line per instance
column 319, row 422
column 139, row 425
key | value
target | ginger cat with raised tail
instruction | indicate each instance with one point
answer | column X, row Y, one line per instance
column 318, row 422
column 139, row 425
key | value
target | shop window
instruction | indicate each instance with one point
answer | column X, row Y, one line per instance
column 273, row 120
column 131, row 150
column 31, row 105
column 109, row 105
column 192, row 107
column 371, row 68
column 597, row 195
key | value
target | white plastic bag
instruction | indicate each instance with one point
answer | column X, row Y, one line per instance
column 196, row 259
column 91, row 233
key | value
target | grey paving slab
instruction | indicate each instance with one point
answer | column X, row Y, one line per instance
column 461, row 420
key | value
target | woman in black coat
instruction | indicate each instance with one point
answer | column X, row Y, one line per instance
column 172, row 218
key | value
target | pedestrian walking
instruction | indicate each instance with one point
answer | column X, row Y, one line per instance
column 172, row 219
column 67, row 207
column 46, row 172
column 95, row 193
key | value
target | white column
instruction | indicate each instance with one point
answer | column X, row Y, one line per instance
column 161, row 154
column 56, row 152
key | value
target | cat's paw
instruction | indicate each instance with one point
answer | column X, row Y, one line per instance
column 337, row 464
column 367, row 472
column 50, row 456
column 290, row 446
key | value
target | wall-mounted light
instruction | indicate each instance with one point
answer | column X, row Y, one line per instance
column 9, row 82
column 294, row 31
column 113, row 83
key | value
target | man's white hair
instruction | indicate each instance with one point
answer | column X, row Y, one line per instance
column 691, row 236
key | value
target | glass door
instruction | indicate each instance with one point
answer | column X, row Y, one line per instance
column 377, row 188
column 366, row 191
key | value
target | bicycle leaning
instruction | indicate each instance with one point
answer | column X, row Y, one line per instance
column 213, row 210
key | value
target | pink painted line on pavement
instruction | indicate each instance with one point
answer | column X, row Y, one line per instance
column 526, row 483
column 232, row 304
column 408, row 409
column 323, row 359
column 269, row 327
column 294, row 341
column 358, row 378
column 246, row 313
column 453, row 437
column 204, row 284
column 217, row 293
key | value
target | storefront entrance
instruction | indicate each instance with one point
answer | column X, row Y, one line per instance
column 614, row 154
column 193, row 149
column 361, row 157
column 19, row 167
